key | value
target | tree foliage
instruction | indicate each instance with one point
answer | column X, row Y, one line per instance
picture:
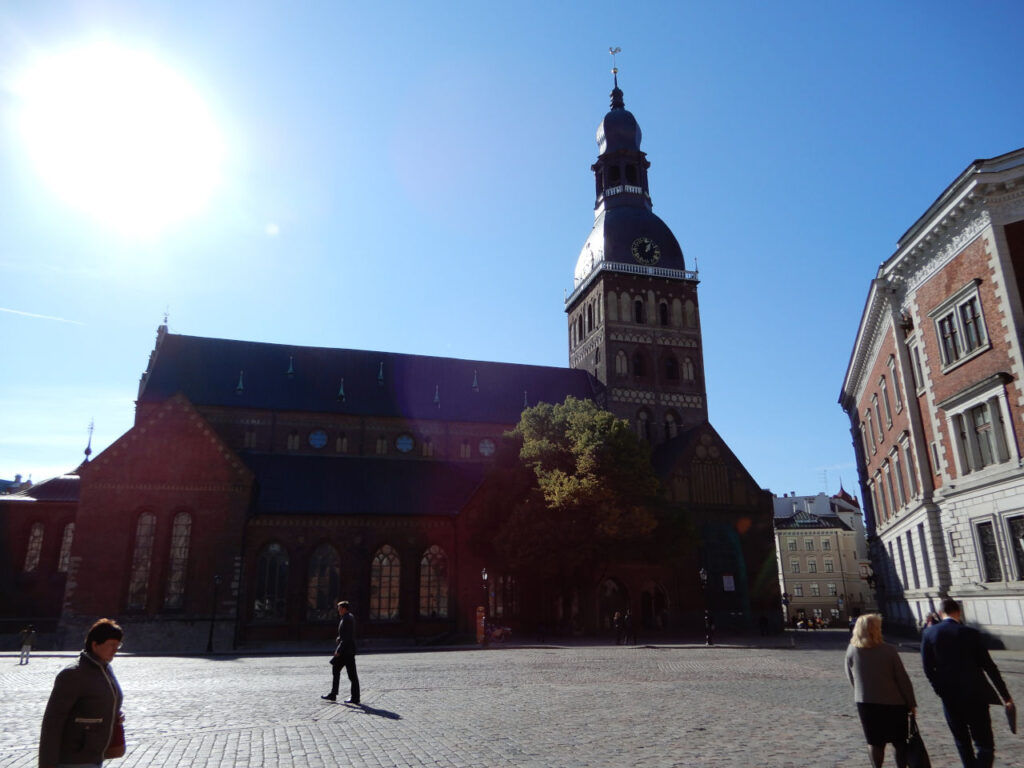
column 573, row 488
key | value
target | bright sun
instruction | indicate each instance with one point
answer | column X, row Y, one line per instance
column 121, row 136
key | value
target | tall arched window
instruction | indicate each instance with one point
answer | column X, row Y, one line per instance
column 643, row 424
column 324, row 583
column 671, row 368
column 142, row 561
column 639, row 365
column 663, row 313
column 181, row 534
column 384, row 574
column 35, row 546
column 434, row 584
column 65, row 548
column 691, row 314
column 270, row 593
column 638, row 311
column 621, row 364
column 688, row 372
column 671, row 425
column 590, row 318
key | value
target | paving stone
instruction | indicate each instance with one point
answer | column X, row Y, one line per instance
column 585, row 706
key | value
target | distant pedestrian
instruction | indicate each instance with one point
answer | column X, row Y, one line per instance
column 344, row 655
column 931, row 620
column 629, row 628
column 709, row 628
column 85, row 704
column 963, row 674
column 28, row 641
column 617, row 625
column 881, row 688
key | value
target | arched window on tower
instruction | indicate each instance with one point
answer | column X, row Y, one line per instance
column 688, row 372
column 671, row 368
column 643, row 424
column 691, row 314
column 631, row 174
column 614, row 175
column 639, row 316
column 579, row 328
column 590, row 317
column 639, row 365
column 324, row 583
column 671, row 425
column 384, row 574
column 181, row 532
column 142, row 559
column 271, row 588
column 434, row 584
column 663, row 312
column 621, row 364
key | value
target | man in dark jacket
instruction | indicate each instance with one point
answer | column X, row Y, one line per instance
column 85, row 704
column 344, row 655
column 956, row 664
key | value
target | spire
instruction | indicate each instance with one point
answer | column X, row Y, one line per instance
column 88, row 446
column 617, row 101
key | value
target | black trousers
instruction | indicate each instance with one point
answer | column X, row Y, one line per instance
column 349, row 663
column 971, row 722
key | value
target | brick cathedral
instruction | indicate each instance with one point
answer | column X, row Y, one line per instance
column 262, row 482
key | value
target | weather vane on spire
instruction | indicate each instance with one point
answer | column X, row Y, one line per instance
column 613, row 51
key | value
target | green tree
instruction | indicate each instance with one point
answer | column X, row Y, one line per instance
column 572, row 489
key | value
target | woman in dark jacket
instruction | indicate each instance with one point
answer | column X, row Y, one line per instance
column 881, row 688
column 85, row 703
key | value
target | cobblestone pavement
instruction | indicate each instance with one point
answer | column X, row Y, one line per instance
column 545, row 706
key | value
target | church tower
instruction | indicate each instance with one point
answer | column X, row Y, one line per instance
column 633, row 316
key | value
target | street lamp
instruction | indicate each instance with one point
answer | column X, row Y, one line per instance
column 709, row 623
column 483, row 581
column 213, row 613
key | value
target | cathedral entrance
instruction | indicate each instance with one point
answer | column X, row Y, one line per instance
column 654, row 607
column 612, row 598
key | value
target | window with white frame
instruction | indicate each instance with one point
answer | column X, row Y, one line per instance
column 815, row 589
column 988, row 552
column 812, row 566
column 794, row 566
column 832, row 590
column 871, row 430
column 1015, row 527
column 826, row 545
column 808, row 544
column 897, row 469
column 798, row 590
column 864, row 440
column 895, row 383
column 908, row 457
column 878, row 417
column 889, row 488
column 884, row 389
column 978, row 428
column 791, row 545
column 829, row 566
column 959, row 325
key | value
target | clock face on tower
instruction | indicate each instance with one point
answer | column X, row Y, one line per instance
column 646, row 251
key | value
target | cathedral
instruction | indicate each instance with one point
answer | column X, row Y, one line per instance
column 262, row 482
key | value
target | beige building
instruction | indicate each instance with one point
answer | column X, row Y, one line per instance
column 823, row 557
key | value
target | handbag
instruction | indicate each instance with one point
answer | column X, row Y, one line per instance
column 116, row 747
column 917, row 755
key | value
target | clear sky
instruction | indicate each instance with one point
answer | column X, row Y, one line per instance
column 415, row 177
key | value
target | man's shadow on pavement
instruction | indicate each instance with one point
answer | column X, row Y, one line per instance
column 378, row 712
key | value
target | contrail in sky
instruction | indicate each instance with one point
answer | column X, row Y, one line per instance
column 40, row 317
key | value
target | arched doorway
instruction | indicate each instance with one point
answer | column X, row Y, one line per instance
column 654, row 607
column 611, row 597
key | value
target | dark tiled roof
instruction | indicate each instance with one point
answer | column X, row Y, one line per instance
column 345, row 485
column 207, row 372
column 61, row 488
column 804, row 521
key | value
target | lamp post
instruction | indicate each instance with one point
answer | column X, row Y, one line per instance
column 213, row 613
column 483, row 581
column 709, row 622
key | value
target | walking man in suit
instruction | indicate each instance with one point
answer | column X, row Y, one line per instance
column 344, row 655
column 956, row 664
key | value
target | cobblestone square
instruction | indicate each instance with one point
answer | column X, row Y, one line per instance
column 669, row 705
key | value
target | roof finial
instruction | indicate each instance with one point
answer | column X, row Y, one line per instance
column 437, row 395
column 88, row 447
column 476, row 382
column 341, row 390
column 241, row 383
column 167, row 314
column 291, row 366
column 380, row 374
column 617, row 102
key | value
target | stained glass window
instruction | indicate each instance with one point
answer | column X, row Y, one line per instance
column 181, row 532
column 142, row 560
column 434, row 584
column 384, row 575
column 324, row 583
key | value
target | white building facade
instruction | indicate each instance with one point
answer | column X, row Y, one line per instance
column 935, row 398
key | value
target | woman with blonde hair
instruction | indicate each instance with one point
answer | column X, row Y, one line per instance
column 881, row 688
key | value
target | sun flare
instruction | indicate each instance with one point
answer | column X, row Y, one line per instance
column 121, row 136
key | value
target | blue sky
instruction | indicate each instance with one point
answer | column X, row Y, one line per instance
column 415, row 177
